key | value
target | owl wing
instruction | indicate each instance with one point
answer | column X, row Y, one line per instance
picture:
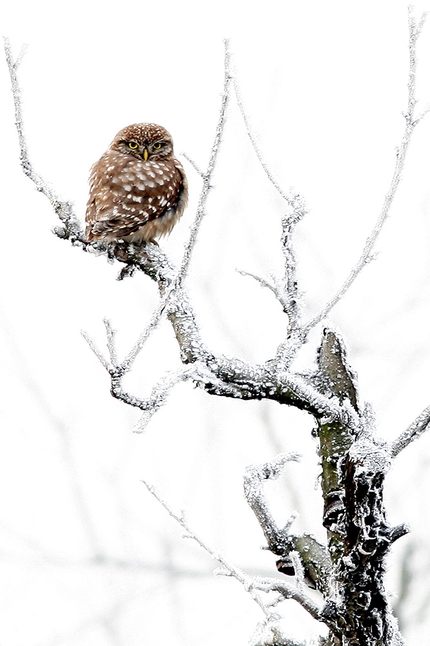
column 126, row 193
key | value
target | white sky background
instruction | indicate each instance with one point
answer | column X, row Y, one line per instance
column 87, row 557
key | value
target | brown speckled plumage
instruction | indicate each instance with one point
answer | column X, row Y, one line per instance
column 138, row 189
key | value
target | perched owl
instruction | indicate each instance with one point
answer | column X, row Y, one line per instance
column 138, row 189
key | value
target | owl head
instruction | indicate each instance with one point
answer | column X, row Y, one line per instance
column 143, row 141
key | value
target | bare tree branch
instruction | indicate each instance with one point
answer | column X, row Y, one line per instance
column 201, row 207
column 296, row 212
column 411, row 123
column 262, row 281
column 96, row 351
column 288, row 294
column 72, row 229
column 159, row 394
column 251, row 584
column 412, row 433
column 20, row 56
column 110, row 333
column 253, row 140
column 314, row 566
column 197, row 168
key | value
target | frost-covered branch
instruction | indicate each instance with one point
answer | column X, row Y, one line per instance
column 315, row 563
column 194, row 164
column 296, row 212
column 216, row 374
column 71, row 228
column 415, row 29
column 268, row 584
column 251, row 584
column 411, row 121
column 286, row 290
column 196, row 372
column 227, row 568
column 207, row 177
column 27, row 167
column 412, row 433
column 100, row 356
column 262, row 281
column 253, row 140
column 63, row 209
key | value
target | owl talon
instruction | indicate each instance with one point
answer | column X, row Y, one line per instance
column 111, row 252
column 120, row 251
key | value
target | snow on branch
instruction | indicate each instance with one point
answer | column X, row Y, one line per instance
column 253, row 140
column 252, row 585
column 302, row 556
column 412, row 433
column 71, row 228
column 288, row 293
column 411, row 121
column 195, row 371
column 286, row 290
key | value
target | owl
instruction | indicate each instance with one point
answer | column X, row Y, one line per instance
column 138, row 189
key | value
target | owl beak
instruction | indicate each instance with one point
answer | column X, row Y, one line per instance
column 145, row 154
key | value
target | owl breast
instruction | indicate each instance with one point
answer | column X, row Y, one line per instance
column 134, row 200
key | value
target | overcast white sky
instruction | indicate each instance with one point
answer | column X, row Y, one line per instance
column 88, row 557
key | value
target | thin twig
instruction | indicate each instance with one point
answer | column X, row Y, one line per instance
column 153, row 322
column 27, row 167
column 402, row 150
column 21, row 55
column 63, row 209
column 290, row 592
column 96, row 351
column 254, row 144
column 201, row 207
column 412, row 433
column 194, row 165
column 414, row 33
column 262, row 281
column 110, row 333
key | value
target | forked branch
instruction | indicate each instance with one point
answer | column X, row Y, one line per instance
column 252, row 585
column 411, row 121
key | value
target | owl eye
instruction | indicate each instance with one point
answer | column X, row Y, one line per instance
column 157, row 146
column 133, row 145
